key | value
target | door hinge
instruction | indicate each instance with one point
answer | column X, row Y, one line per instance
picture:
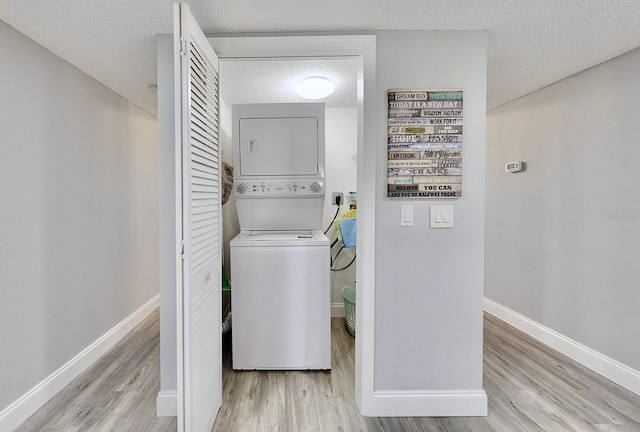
column 183, row 250
column 182, row 46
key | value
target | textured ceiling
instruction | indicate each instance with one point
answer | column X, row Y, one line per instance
column 531, row 43
column 274, row 80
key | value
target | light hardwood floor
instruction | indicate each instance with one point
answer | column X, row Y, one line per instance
column 530, row 388
column 117, row 393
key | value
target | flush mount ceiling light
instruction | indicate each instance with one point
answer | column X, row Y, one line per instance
column 315, row 87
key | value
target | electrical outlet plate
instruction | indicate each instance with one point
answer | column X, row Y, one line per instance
column 337, row 194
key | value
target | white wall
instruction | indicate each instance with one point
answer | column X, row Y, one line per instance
column 340, row 176
column 563, row 236
column 429, row 282
column 78, row 213
column 167, row 220
column 231, row 226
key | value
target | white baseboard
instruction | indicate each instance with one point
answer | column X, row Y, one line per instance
column 597, row 362
column 465, row 403
column 337, row 310
column 167, row 403
column 15, row 414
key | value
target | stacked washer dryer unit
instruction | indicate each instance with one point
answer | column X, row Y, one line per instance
column 280, row 263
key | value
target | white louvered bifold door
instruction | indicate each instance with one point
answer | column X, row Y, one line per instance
column 199, row 342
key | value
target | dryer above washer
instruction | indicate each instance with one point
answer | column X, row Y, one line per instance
column 279, row 156
column 278, row 141
column 276, row 205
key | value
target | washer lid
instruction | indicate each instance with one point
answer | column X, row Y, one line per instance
column 281, row 238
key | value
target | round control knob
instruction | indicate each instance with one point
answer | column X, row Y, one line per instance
column 315, row 187
column 242, row 188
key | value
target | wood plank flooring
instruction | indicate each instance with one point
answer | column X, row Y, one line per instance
column 117, row 393
column 530, row 388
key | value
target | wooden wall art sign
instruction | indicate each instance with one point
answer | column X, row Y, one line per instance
column 424, row 143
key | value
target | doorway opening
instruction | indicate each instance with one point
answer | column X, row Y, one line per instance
column 240, row 58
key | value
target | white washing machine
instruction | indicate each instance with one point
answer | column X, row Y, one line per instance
column 280, row 261
column 280, row 300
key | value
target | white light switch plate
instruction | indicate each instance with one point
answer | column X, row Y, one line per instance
column 406, row 216
column 441, row 216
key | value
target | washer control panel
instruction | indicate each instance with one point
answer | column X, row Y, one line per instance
column 266, row 188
